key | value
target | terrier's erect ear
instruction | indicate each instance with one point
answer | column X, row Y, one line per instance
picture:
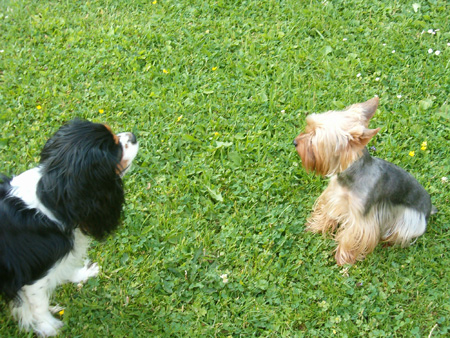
column 369, row 107
column 361, row 138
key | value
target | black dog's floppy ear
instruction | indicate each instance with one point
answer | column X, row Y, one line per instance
column 79, row 182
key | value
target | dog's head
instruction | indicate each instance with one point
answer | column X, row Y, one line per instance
column 335, row 139
column 81, row 166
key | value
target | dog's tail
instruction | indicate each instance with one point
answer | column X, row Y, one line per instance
column 434, row 210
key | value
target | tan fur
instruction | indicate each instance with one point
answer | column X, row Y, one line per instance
column 356, row 235
column 306, row 152
column 332, row 141
column 124, row 162
column 122, row 165
column 116, row 138
column 341, row 212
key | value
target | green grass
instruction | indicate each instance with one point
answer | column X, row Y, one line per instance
column 216, row 91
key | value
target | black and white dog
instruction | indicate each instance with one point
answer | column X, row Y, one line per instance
column 48, row 213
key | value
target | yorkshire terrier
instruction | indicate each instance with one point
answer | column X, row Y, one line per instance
column 368, row 200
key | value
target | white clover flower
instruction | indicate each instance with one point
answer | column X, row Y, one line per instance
column 344, row 39
column 224, row 278
column 448, row 44
column 444, row 179
column 393, row 51
column 399, row 96
column 358, row 75
column 430, row 31
column 344, row 272
column 437, row 52
column 377, row 79
column 430, row 51
column 384, row 44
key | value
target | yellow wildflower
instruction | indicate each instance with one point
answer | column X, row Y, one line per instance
column 165, row 71
column 424, row 145
column 61, row 312
column 411, row 153
column 216, row 134
column 38, row 107
column 154, row 2
column 214, row 68
column 179, row 118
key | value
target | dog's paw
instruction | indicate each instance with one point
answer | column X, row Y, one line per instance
column 48, row 327
column 344, row 257
column 92, row 270
column 87, row 271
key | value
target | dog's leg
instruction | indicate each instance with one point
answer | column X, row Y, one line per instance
column 325, row 216
column 75, row 267
column 358, row 235
column 84, row 273
column 321, row 221
column 31, row 308
column 403, row 225
column 71, row 268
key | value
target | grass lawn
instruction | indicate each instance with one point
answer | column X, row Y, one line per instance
column 216, row 91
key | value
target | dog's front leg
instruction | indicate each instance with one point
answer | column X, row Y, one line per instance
column 324, row 217
column 31, row 308
column 84, row 273
column 75, row 267
column 358, row 235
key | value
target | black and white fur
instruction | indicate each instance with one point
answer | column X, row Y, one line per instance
column 49, row 213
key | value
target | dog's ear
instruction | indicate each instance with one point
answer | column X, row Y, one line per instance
column 360, row 138
column 369, row 107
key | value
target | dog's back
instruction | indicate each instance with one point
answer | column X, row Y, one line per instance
column 384, row 182
column 30, row 243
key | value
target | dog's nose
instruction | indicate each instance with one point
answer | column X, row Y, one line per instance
column 295, row 142
column 133, row 138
